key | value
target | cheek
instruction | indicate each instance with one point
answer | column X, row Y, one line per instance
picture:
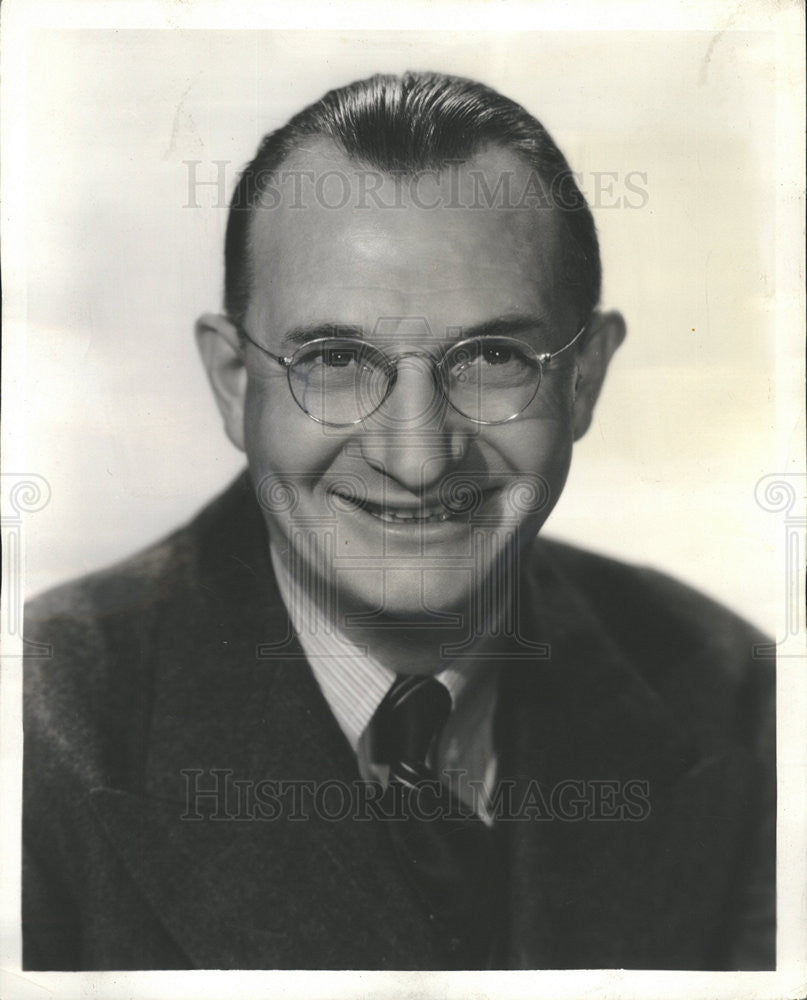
column 280, row 439
column 537, row 451
column 554, row 415
column 544, row 460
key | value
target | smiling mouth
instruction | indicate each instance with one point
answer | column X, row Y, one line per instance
column 433, row 514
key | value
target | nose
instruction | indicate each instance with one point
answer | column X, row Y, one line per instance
column 412, row 438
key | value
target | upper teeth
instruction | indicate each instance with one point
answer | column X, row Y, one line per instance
column 410, row 515
column 438, row 513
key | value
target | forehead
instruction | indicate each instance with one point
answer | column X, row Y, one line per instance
column 336, row 242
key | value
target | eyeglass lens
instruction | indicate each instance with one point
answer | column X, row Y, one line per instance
column 489, row 379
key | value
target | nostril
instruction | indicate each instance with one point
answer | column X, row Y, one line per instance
column 415, row 461
column 375, row 461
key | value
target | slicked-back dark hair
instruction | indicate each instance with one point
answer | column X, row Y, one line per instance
column 410, row 123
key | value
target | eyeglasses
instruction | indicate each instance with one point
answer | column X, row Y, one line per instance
column 341, row 381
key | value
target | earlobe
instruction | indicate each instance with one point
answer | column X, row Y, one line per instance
column 605, row 333
column 220, row 350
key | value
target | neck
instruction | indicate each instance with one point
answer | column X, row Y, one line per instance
column 404, row 647
column 426, row 642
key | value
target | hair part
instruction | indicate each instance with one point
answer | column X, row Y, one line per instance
column 409, row 123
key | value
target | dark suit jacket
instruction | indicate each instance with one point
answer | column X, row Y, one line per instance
column 184, row 659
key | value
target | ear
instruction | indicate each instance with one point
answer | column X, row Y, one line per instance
column 605, row 333
column 218, row 343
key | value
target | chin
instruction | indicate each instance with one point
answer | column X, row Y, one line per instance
column 408, row 596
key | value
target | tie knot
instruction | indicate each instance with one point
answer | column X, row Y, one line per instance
column 409, row 718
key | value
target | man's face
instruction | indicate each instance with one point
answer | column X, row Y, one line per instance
column 409, row 511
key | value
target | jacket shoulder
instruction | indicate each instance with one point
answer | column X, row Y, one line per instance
column 95, row 642
column 707, row 662
column 643, row 599
column 157, row 574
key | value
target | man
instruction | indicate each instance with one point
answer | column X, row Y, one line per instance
column 356, row 715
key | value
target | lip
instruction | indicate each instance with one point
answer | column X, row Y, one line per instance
column 402, row 514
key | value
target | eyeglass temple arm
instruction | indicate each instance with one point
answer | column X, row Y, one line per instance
column 283, row 362
column 550, row 356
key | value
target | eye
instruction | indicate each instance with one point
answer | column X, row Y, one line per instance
column 497, row 354
column 339, row 357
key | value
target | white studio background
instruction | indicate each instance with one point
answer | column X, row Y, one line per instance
column 123, row 253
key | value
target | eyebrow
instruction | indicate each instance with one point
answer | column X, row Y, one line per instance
column 504, row 326
column 499, row 326
column 320, row 331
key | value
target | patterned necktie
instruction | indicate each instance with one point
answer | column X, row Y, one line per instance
column 445, row 851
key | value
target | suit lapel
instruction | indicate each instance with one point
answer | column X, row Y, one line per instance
column 271, row 882
column 262, row 881
column 638, row 887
